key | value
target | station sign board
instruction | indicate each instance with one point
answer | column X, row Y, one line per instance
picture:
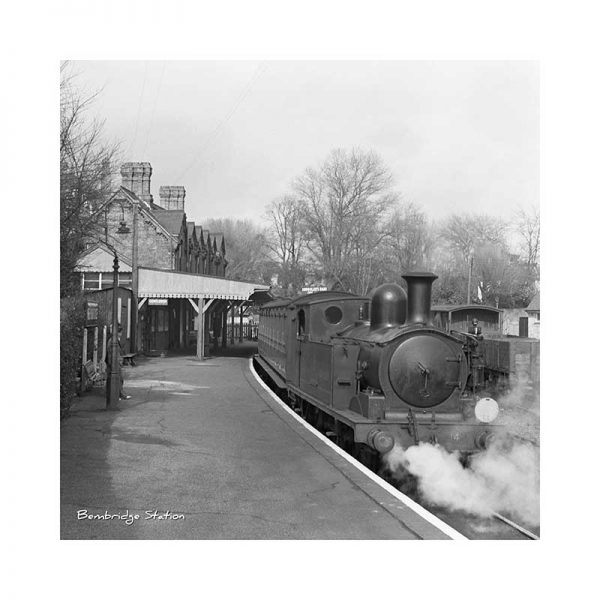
column 312, row 290
column 158, row 301
column 91, row 313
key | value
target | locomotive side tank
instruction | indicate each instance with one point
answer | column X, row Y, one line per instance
column 370, row 384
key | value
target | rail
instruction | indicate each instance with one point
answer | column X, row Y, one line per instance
column 516, row 526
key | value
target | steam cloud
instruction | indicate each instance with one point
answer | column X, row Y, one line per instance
column 498, row 480
column 505, row 478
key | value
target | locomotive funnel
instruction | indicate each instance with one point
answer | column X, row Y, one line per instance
column 388, row 306
column 419, row 297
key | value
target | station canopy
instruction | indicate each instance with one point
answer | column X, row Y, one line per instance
column 156, row 283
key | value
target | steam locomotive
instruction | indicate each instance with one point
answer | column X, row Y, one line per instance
column 375, row 372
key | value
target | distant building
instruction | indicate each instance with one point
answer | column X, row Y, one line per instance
column 533, row 317
column 459, row 317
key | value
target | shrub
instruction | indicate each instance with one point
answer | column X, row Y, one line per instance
column 72, row 321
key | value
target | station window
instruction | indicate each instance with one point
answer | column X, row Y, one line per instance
column 101, row 281
column 333, row 314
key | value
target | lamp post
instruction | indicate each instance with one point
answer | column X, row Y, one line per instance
column 134, row 280
column 113, row 385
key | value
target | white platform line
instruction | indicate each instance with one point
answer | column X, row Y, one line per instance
column 431, row 518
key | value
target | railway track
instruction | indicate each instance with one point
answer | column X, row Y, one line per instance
column 496, row 526
column 516, row 526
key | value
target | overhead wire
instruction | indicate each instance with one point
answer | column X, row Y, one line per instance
column 260, row 69
column 162, row 72
column 137, row 119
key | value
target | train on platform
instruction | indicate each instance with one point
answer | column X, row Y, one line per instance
column 375, row 372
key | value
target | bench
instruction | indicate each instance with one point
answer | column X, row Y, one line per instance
column 128, row 359
column 91, row 375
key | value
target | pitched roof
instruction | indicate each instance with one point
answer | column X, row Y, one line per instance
column 134, row 197
column 535, row 303
column 170, row 219
column 218, row 240
column 99, row 257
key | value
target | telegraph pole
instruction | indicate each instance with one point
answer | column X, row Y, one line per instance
column 470, row 275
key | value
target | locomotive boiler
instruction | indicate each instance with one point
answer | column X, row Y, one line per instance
column 375, row 372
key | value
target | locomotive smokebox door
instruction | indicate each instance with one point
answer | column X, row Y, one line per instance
column 420, row 372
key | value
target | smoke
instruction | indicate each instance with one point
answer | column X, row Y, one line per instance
column 520, row 412
column 502, row 479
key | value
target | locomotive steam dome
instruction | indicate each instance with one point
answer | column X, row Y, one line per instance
column 388, row 306
column 422, row 371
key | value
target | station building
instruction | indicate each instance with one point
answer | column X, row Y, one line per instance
column 176, row 270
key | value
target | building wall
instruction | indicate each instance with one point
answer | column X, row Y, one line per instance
column 534, row 325
column 154, row 247
column 511, row 320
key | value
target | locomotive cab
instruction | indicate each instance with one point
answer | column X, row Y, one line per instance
column 314, row 321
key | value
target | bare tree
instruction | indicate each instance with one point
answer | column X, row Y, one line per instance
column 287, row 238
column 86, row 166
column 346, row 200
column 527, row 226
column 465, row 232
column 86, row 170
column 409, row 238
column 246, row 249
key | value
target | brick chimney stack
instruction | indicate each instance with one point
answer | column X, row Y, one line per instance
column 172, row 197
column 136, row 178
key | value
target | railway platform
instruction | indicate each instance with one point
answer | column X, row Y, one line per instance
column 202, row 451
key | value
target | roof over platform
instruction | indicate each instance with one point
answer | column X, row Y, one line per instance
column 156, row 283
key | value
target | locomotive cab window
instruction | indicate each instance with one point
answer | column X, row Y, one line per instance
column 333, row 314
column 363, row 311
column 301, row 322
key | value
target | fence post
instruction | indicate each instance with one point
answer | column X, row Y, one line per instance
column 95, row 355
column 83, row 359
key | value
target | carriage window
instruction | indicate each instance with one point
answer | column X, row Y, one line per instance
column 301, row 322
column 333, row 314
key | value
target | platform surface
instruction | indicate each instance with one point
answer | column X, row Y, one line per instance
column 204, row 440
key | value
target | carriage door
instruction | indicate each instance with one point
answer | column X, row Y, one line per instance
column 296, row 333
column 301, row 336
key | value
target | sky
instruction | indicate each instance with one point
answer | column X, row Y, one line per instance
column 456, row 136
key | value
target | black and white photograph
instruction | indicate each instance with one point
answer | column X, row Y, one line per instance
column 284, row 321
column 324, row 283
